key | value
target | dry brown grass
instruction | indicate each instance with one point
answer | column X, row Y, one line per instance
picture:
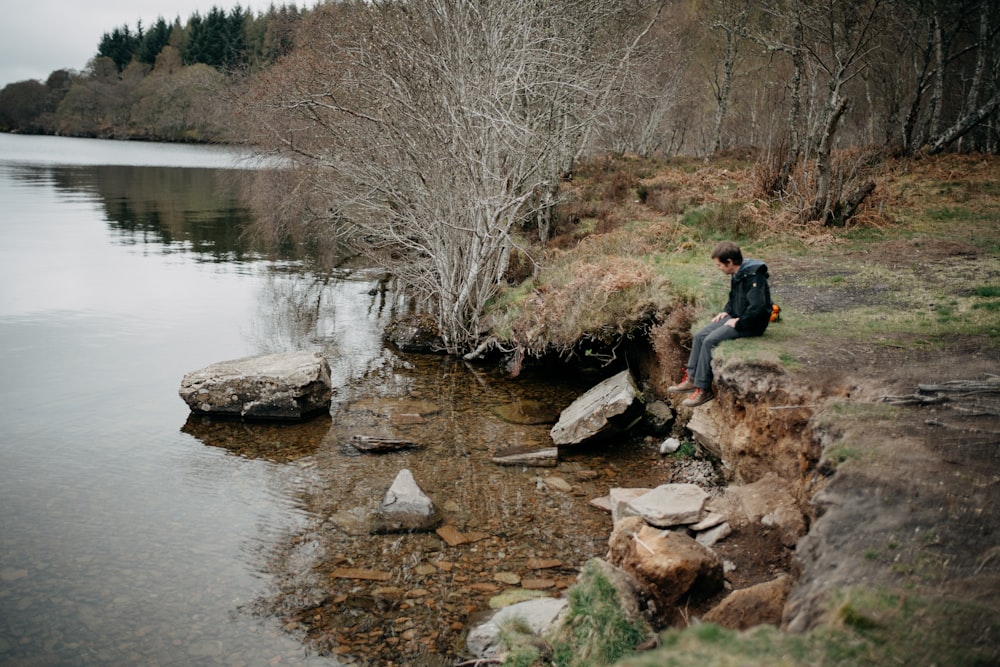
column 595, row 296
column 629, row 262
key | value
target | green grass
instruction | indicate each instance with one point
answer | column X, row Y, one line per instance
column 596, row 630
column 865, row 628
column 841, row 453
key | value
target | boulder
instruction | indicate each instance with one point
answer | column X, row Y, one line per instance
column 620, row 604
column 605, row 409
column 761, row 604
column 405, row 507
column 669, row 565
column 283, row 386
column 707, row 430
column 414, row 333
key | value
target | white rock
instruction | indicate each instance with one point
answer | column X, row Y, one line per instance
column 711, row 520
column 591, row 414
column 670, row 505
column 669, row 446
column 711, row 536
column 406, row 507
column 484, row 640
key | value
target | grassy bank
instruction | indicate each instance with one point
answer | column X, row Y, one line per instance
column 913, row 282
column 917, row 268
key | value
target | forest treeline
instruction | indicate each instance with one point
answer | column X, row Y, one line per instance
column 713, row 75
column 432, row 136
column 165, row 82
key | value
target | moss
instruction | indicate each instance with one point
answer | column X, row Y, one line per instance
column 596, row 629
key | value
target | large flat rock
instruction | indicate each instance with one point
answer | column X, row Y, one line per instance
column 603, row 409
column 283, row 386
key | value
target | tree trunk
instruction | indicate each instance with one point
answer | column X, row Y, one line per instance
column 823, row 204
column 964, row 124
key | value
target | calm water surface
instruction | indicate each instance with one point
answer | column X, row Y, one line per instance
column 134, row 534
column 123, row 539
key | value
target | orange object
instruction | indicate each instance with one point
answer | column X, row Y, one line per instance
column 775, row 312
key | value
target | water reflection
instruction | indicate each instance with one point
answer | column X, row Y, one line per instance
column 166, row 208
column 280, row 443
column 430, row 590
column 123, row 539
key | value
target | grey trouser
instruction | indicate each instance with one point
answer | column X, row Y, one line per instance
column 699, row 366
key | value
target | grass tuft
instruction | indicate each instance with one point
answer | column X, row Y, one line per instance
column 596, row 629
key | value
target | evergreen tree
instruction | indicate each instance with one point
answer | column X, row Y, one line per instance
column 153, row 41
column 119, row 45
column 235, row 32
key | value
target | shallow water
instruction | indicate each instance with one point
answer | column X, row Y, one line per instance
column 133, row 533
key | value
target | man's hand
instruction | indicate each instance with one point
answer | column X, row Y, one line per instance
column 720, row 316
column 731, row 322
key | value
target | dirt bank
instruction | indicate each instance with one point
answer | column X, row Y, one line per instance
column 901, row 490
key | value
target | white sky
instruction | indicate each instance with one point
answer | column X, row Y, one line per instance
column 39, row 36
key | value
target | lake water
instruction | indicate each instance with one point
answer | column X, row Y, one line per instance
column 134, row 534
column 124, row 540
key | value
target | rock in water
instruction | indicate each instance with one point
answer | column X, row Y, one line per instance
column 405, row 507
column 603, row 409
column 283, row 386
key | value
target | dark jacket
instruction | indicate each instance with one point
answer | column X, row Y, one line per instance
column 750, row 298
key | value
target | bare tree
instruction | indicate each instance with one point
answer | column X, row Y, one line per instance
column 983, row 82
column 942, row 62
column 426, row 130
column 647, row 92
column 731, row 19
column 829, row 44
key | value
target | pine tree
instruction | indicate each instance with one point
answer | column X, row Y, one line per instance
column 153, row 41
column 119, row 45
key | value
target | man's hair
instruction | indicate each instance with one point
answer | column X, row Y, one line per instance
column 727, row 250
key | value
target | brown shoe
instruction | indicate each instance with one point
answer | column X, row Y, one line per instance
column 683, row 387
column 699, row 397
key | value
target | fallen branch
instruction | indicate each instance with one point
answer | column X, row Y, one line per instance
column 937, row 422
column 915, row 399
column 481, row 350
column 963, row 386
column 976, row 411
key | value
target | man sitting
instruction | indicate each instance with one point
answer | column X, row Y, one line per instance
column 747, row 313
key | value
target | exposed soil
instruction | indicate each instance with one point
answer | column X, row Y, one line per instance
column 898, row 497
column 910, row 497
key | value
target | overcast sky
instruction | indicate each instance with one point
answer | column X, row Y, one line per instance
column 39, row 36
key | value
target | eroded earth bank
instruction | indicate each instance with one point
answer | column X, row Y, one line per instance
column 857, row 479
